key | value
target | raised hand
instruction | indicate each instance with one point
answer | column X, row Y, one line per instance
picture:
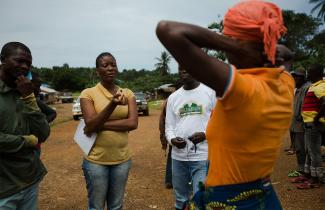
column 24, row 86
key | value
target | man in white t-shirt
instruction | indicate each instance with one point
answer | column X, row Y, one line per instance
column 188, row 112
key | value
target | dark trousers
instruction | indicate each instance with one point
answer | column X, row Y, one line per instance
column 168, row 175
column 313, row 138
column 292, row 140
column 299, row 142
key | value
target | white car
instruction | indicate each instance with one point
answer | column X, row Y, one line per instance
column 76, row 110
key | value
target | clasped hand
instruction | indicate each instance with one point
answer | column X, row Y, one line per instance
column 119, row 98
column 197, row 137
column 178, row 142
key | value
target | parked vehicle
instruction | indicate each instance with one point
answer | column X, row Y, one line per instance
column 66, row 97
column 76, row 110
column 48, row 95
column 142, row 103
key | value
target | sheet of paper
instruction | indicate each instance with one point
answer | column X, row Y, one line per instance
column 84, row 142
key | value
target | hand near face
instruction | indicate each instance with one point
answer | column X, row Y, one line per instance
column 24, row 86
column 197, row 137
column 178, row 142
column 119, row 98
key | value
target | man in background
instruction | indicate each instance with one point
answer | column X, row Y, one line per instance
column 188, row 112
column 297, row 125
column 313, row 112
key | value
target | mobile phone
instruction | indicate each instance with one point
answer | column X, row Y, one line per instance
column 29, row 75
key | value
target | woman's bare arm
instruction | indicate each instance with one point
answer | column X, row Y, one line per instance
column 94, row 121
column 185, row 43
column 131, row 123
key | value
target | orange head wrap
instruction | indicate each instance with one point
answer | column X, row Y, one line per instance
column 255, row 20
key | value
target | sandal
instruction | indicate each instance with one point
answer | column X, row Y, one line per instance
column 294, row 173
column 299, row 179
column 308, row 185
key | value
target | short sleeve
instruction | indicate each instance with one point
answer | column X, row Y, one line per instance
column 128, row 93
column 320, row 90
column 230, row 81
column 240, row 88
column 86, row 94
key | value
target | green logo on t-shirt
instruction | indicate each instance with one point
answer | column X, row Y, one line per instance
column 190, row 110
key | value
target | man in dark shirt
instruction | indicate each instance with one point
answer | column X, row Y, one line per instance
column 22, row 126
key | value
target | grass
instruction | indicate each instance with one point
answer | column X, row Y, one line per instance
column 76, row 94
column 156, row 104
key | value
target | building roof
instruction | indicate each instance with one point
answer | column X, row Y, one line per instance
column 48, row 90
column 165, row 86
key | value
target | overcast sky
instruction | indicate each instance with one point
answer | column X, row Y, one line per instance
column 76, row 31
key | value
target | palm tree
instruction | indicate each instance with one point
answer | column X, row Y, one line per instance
column 163, row 61
column 320, row 5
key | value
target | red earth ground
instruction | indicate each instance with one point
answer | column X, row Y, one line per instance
column 64, row 186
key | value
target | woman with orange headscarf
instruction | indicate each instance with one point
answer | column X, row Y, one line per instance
column 254, row 110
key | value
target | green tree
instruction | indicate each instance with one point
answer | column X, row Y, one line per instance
column 65, row 78
column 217, row 27
column 163, row 63
column 65, row 65
column 301, row 29
column 316, row 50
column 144, row 80
column 320, row 6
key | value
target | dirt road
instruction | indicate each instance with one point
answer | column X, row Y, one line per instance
column 64, row 186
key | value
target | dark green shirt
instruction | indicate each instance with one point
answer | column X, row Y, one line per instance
column 20, row 167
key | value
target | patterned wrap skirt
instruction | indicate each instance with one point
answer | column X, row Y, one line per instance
column 256, row 195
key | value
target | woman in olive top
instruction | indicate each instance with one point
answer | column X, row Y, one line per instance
column 111, row 112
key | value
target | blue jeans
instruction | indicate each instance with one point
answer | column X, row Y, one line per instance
column 105, row 184
column 186, row 178
column 313, row 141
column 26, row 199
